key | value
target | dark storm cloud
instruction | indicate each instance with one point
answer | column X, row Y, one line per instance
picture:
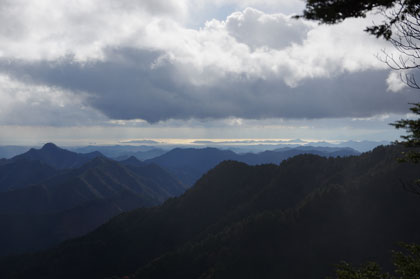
column 126, row 86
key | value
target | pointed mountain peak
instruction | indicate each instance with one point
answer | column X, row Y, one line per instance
column 132, row 161
column 50, row 146
column 95, row 154
column 57, row 157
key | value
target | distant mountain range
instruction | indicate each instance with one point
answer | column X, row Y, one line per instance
column 293, row 220
column 361, row 146
column 255, row 146
column 154, row 149
column 187, row 164
column 121, row 152
column 239, row 146
column 143, row 155
column 51, row 194
column 190, row 164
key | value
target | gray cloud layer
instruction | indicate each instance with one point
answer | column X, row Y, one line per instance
column 92, row 61
column 127, row 86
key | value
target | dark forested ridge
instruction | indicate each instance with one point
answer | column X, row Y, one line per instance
column 19, row 174
column 296, row 220
column 68, row 203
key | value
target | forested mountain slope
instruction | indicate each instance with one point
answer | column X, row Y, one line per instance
column 38, row 165
column 295, row 220
column 77, row 201
column 19, row 174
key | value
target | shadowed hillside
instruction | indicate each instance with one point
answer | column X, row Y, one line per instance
column 38, row 165
column 77, row 201
column 295, row 220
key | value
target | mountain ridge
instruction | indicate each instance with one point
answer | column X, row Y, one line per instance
column 56, row 157
column 84, row 197
column 189, row 164
column 274, row 214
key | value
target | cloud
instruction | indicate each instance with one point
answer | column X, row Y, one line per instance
column 322, row 129
column 127, row 86
column 259, row 30
column 50, row 29
column 136, row 60
column 276, row 47
column 22, row 104
column 152, row 142
column 286, row 6
column 395, row 83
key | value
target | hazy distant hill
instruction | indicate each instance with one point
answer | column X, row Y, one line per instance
column 190, row 164
column 144, row 155
column 255, row 146
column 133, row 162
column 296, row 220
column 76, row 201
column 121, row 152
column 361, row 146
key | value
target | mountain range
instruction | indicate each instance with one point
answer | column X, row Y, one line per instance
column 150, row 149
column 122, row 152
column 293, row 220
column 56, row 157
column 51, row 194
column 189, row 164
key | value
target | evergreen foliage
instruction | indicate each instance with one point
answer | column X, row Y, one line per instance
column 412, row 139
column 406, row 266
column 335, row 11
column 401, row 28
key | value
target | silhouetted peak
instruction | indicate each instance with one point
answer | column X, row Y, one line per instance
column 50, row 146
column 228, row 164
column 132, row 161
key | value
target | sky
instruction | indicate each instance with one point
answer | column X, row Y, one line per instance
column 115, row 71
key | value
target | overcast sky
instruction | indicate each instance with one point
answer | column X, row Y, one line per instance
column 107, row 71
